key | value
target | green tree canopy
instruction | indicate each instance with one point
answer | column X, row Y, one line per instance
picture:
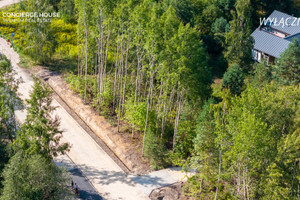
column 220, row 26
column 8, row 99
column 8, row 103
column 40, row 133
column 262, row 74
column 38, row 42
column 287, row 71
column 252, row 145
column 34, row 178
column 238, row 40
column 234, row 79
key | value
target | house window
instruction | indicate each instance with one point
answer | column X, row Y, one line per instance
column 256, row 55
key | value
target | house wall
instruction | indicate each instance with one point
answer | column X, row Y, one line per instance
column 256, row 55
column 271, row 60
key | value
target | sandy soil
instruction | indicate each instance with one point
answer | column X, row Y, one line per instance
column 126, row 147
column 172, row 192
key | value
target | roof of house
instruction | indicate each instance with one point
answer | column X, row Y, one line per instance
column 292, row 37
column 268, row 43
column 292, row 29
column 271, row 44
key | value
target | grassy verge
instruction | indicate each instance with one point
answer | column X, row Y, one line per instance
column 64, row 34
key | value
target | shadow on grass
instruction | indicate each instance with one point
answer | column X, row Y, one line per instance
column 62, row 65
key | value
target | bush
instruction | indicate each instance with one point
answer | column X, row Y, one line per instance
column 288, row 65
column 34, row 178
column 4, row 64
column 155, row 151
column 262, row 74
column 136, row 114
column 105, row 106
column 76, row 83
column 234, row 79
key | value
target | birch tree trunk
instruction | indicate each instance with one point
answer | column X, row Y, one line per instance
column 125, row 78
column 180, row 105
column 116, row 70
column 86, row 58
column 121, row 71
column 149, row 100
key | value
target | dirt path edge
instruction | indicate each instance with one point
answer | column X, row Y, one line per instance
column 128, row 152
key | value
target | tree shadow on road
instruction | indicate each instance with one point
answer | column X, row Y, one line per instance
column 105, row 177
column 86, row 190
column 149, row 181
column 89, row 196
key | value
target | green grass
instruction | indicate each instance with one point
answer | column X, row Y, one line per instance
column 62, row 65
column 65, row 34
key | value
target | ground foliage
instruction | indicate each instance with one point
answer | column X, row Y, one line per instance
column 151, row 64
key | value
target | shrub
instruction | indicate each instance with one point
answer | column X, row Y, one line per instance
column 234, row 79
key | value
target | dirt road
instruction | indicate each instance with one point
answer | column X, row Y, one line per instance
column 4, row 3
column 105, row 175
column 108, row 179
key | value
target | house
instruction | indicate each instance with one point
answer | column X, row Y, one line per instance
column 274, row 35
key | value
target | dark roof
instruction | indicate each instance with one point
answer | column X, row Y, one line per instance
column 269, row 44
column 292, row 29
column 292, row 37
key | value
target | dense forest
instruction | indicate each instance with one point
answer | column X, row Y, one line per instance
column 180, row 74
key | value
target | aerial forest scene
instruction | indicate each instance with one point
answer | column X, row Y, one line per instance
column 150, row 99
